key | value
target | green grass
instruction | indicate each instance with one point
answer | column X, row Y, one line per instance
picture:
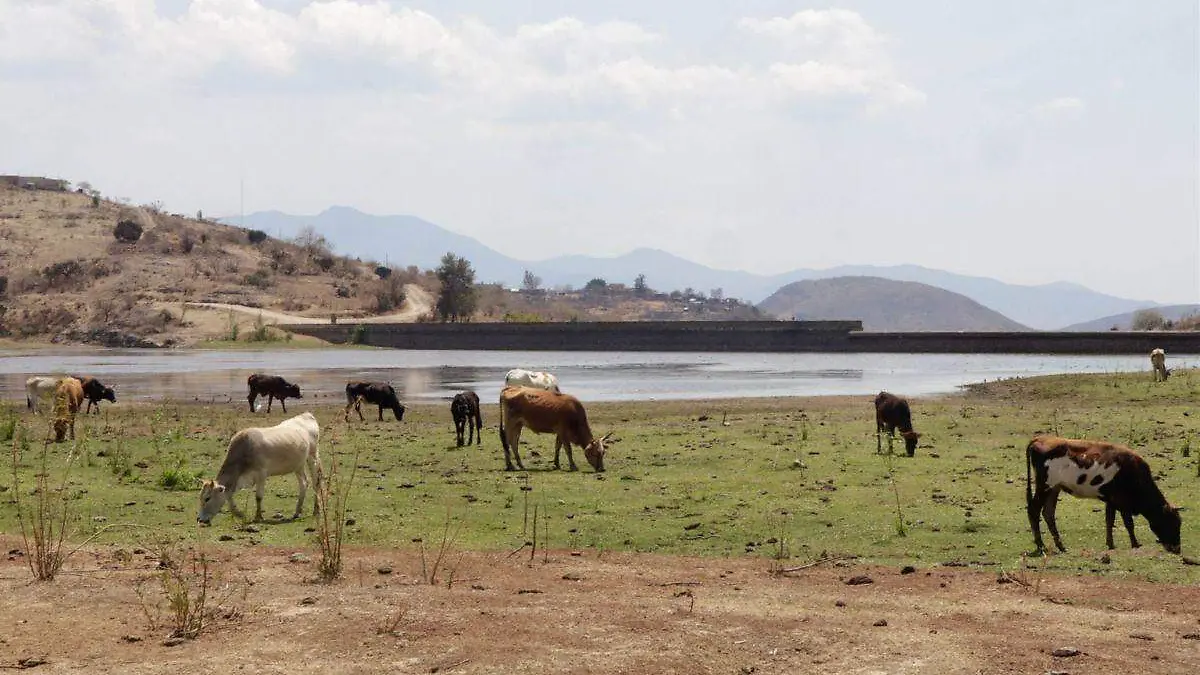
column 802, row 469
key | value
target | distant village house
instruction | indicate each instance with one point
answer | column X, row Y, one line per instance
column 35, row 182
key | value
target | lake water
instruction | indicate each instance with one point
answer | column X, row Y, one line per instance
column 427, row 376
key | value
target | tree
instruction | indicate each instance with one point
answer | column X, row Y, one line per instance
column 639, row 285
column 717, row 294
column 457, row 299
column 595, row 286
column 1148, row 319
column 532, row 282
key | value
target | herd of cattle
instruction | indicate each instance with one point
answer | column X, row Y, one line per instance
column 1111, row 473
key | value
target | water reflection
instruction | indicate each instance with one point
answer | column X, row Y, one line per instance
column 427, row 376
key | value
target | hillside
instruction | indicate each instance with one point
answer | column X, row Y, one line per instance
column 68, row 280
column 419, row 242
column 1123, row 321
column 885, row 305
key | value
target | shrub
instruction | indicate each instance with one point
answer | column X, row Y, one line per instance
column 3, row 286
column 186, row 243
column 127, row 231
column 259, row 279
column 383, row 271
column 256, row 236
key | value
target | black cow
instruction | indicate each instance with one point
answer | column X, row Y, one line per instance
column 95, row 391
column 465, row 410
column 1114, row 474
column 273, row 387
column 377, row 393
column 891, row 413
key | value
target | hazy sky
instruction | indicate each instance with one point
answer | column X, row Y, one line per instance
column 1025, row 140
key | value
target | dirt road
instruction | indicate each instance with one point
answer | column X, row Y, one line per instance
column 417, row 302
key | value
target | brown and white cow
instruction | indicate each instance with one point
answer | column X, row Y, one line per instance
column 380, row 394
column 891, row 413
column 1158, row 361
column 1112, row 473
column 547, row 412
column 273, row 387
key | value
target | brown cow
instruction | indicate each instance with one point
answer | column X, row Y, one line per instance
column 273, row 387
column 1114, row 474
column 67, row 399
column 892, row 412
column 547, row 412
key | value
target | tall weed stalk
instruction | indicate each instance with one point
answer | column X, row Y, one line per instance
column 333, row 496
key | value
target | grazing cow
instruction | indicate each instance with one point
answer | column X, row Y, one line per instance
column 1158, row 361
column 518, row 377
column 892, row 412
column 376, row 393
column 95, row 391
column 547, row 412
column 273, row 387
column 38, row 387
column 1114, row 474
column 257, row 453
column 465, row 411
column 67, row 399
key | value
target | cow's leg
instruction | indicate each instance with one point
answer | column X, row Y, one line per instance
column 1033, row 507
column 283, row 404
column 514, row 439
column 358, row 409
column 380, row 413
column 1127, row 518
column 251, row 398
column 458, row 430
column 478, row 427
column 1110, row 516
column 270, row 399
column 233, row 504
column 558, row 443
column 260, row 490
column 346, row 412
column 878, row 439
column 1048, row 513
column 570, row 457
column 302, row 482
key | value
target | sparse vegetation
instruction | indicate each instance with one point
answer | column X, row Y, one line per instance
column 333, row 498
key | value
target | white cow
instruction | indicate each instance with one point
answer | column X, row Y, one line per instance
column 518, row 377
column 37, row 387
column 1158, row 361
column 258, row 453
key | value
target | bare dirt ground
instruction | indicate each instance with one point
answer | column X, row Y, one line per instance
column 593, row 612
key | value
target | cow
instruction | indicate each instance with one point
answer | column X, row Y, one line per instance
column 36, row 388
column 891, row 413
column 95, row 391
column 1158, row 361
column 67, row 399
column 376, row 393
column 547, row 412
column 465, row 411
column 518, row 377
column 1114, row 474
column 273, row 387
column 257, row 453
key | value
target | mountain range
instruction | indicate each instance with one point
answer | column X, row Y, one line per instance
column 403, row 240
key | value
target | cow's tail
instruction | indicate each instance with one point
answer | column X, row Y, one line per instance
column 1029, row 473
column 503, row 437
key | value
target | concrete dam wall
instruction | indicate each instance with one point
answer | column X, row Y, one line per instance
column 736, row 336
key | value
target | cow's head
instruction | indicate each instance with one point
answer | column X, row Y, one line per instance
column 910, row 441
column 594, row 452
column 293, row 390
column 109, row 395
column 60, row 429
column 212, row 498
column 1166, row 525
column 398, row 410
